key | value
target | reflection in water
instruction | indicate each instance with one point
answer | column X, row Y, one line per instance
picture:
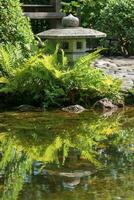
column 53, row 155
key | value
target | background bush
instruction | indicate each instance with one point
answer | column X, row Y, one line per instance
column 117, row 20
column 14, row 27
column 114, row 17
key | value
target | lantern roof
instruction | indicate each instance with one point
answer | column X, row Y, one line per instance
column 70, row 30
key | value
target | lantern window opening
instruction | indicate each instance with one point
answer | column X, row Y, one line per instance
column 79, row 45
column 65, row 45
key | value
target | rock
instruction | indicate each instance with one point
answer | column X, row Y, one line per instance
column 72, row 174
column 105, row 104
column 74, row 109
column 71, row 183
column 75, row 174
column 28, row 108
column 72, row 179
column 128, row 84
column 120, row 104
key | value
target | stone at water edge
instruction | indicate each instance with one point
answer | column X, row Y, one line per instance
column 75, row 174
column 74, row 109
column 105, row 104
column 72, row 179
column 28, row 108
column 71, row 184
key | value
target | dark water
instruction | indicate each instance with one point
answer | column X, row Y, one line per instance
column 56, row 155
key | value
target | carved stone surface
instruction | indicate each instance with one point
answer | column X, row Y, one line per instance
column 68, row 33
column 70, row 21
column 72, row 34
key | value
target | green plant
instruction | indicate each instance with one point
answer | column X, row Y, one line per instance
column 87, row 10
column 12, row 56
column 43, row 79
column 70, row 6
column 14, row 27
column 116, row 19
column 33, row 79
column 129, row 97
column 86, row 83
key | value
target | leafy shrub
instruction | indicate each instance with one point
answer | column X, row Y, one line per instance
column 14, row 27
column 89, row 10
column 117, row 20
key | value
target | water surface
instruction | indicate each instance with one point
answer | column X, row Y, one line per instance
column 56, row 155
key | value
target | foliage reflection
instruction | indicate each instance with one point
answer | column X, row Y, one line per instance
column 34, row 143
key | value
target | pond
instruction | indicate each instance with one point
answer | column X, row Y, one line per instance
column 57, row 155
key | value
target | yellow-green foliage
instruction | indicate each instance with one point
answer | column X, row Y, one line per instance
column 85, row 135
column 90, row 81
column 44, row 79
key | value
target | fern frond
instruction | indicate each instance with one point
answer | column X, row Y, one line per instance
column 88, row 59
column 5, row 61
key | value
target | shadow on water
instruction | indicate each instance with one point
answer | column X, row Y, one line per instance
column 54, row 155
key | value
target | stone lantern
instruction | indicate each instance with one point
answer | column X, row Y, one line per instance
column 71, row 37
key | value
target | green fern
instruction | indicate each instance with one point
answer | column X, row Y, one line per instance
column 88, row 59
column 5, row 62
column 46, row 79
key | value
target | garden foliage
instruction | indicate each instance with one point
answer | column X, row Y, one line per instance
column 117, row 20
column 14, row 27
column 43, row 79
column 37, row 78
column 114, row 17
